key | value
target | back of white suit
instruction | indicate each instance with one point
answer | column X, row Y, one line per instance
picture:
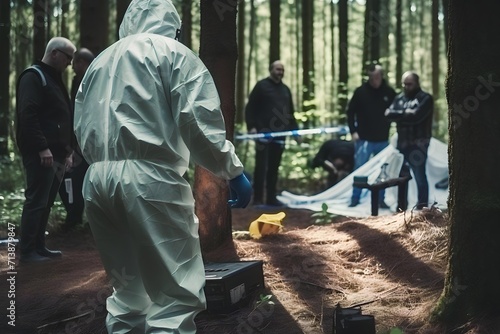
column 146, row 107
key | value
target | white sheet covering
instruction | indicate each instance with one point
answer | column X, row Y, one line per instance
column 338, row 197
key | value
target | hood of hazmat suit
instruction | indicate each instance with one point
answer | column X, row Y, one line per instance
column 146, row 106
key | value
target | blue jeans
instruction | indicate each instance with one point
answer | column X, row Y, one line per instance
column 416, row 159
column 363, row 150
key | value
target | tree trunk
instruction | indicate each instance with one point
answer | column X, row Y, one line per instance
column 94, row 25
column 333, row 72
column 399, row 41
column 121, row 8
column 240, row 76
column 307, row 57
column 343, row 56
column 39, row 28
column 64, row 18
column 187, row 24
column 436, row 69
column 4, row 76
column 473, row 92
column 251, row 42
column 375, row 32
column 366, row 38
column 445, row 24
column 384, row 22
column 218, row 50
column 275, row 7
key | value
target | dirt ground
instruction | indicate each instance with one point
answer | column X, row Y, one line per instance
column 392, row 264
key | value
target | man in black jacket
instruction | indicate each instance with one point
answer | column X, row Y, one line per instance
column 269, row 109
column 71, row 188
column 412, row 111
column 336, row 156
column 367, row 124
column 44, row 138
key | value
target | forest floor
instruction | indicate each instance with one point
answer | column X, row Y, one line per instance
column 394, row 265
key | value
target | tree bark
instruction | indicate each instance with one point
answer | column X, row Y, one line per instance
column 40, row 8
column 343, row 56
column 307, row 57
column 218, row 50
column 4, row 76
column 445, row 4
column 473, row 92
column 399, row 41
column 64, row 18
column 333, row 72
column 274, row 40
column 240, row 70
column 251, row 42
column 94, row 25
column 436, row 69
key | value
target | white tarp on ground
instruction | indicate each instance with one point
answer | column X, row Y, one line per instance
column 338, row 197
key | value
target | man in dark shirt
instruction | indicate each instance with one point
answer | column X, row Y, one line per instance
column 336, row 156
column 44, row 138
column 269, row 109
column 367, row 124
column 71, row 188
column 412, row 111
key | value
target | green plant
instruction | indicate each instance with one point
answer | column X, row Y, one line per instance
column 264, row 300
column 322, row 217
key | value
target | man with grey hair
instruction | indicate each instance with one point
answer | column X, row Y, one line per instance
column 44, row 138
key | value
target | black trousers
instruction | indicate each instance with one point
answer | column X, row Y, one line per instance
column 267, row 162
column 74, row 211
column 42, row 184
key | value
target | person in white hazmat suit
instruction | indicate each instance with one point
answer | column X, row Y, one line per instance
column 146, row 106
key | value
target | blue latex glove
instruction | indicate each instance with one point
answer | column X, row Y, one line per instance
column 241, row 192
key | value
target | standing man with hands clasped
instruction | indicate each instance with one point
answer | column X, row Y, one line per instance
column 44, row 138
column 147, row 105
column 74, row 205
column 412, row 111
column 368, row 126
column 269, row 109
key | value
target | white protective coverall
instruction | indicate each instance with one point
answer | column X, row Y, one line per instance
column 146, row 106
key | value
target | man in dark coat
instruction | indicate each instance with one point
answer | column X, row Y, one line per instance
column 412, row 111
column 44, row 138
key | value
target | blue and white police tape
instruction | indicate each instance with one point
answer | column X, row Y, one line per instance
column 341, row 130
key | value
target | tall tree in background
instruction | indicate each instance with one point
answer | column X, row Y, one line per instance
column 274, row 40
column 40, row 12
column 4, row 75
column 332, row 37
column 240, row 70
column 436, row 43
column 64, row 18
column 371, row 49
column 251, row 41
column 94, row 25
column 384, row 24
column 187, row 24
column 445, row 23
column 307, row 56
column 399, row 42
column 343, row 56
column 218, row 50
column 473, row 91
column 121, row 8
